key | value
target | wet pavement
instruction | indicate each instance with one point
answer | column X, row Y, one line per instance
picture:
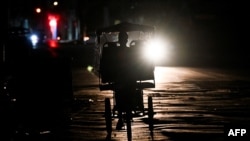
column 190, row 103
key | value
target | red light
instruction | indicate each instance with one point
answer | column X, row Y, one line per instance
column 53, row 19
column 53, row 43
column 53, row 22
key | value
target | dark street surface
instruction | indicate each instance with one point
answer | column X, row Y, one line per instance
column 191, row 103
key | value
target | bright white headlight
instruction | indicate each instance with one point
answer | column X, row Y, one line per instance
column 34, row 39
column 155, row 50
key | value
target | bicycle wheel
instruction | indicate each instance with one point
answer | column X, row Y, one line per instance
column 108, row 118
column 150, row 113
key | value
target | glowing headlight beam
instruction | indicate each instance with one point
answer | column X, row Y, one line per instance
column 155, row 50
column 34, row 39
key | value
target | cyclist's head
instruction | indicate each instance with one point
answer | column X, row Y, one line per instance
column 123, row 38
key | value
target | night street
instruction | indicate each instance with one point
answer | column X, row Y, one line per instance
column 127, row 70
column 194, row 103
column 190, row 103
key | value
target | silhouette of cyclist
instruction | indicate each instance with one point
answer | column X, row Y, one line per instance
column 126, row 82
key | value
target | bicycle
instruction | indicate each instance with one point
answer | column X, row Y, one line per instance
column 127, row 84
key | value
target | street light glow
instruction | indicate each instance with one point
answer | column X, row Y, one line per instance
column 38, row 10
column 55, row 3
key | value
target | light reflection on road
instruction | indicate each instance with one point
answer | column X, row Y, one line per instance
column 180, row 74
column 199, row 100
